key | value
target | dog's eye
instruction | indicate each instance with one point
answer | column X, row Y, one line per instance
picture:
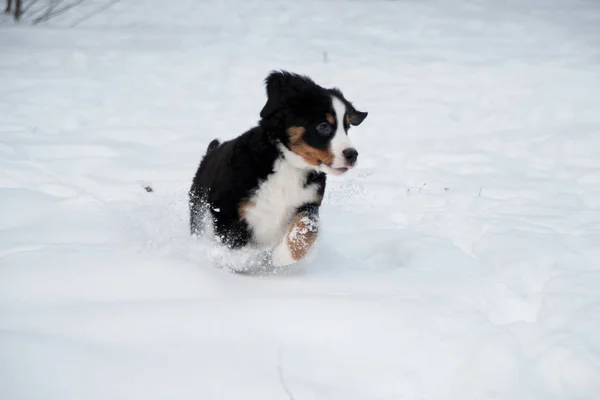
column 324, row 128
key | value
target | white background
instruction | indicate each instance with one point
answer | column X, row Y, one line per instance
column 460, row 260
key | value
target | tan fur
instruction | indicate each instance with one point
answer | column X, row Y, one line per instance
column 311, row 155
column 243, row 208
column 319, row 199
column 301, row 236
column 295, row 133
column 330, row 118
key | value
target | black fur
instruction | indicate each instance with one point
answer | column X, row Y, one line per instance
column 231, row 171
column 227, row 175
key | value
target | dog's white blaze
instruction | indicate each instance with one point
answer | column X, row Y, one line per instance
column 340, row 141
column 276, row 202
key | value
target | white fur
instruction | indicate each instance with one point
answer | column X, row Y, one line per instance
column 340, row 141
column 282, row 255
column 276, row 201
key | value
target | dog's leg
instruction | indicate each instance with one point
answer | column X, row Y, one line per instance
column 8, row 6
column 301, row 235
column 198, row 194
column 198, row 210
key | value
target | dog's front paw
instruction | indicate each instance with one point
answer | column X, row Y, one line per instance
column 297, row 242
column 282, row 255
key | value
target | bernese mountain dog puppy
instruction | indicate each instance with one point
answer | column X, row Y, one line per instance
column 264, row 188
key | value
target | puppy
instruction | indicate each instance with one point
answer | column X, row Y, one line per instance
column 264, row 188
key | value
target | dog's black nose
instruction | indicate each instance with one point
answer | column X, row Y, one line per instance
column 351, row 155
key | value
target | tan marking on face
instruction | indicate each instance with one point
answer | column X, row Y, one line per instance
column 348, row 119
column 310, row 154
column 301, row 235
column 295, row 133
column 330, row 118
column 319, row 198
column 243, row 208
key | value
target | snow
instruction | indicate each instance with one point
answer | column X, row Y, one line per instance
column 460, row 260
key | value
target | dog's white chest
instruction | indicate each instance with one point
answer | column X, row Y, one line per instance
column 276, row 201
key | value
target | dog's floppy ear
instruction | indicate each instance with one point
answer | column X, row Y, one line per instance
column 357, row 117
column 354, row 116
column 281, row 85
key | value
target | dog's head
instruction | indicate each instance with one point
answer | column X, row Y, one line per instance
column 311, row 122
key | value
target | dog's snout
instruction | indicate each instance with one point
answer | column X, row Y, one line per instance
column 351, row 155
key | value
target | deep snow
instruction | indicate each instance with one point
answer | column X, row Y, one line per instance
column 461, row 260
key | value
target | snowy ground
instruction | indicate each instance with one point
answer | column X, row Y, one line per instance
column 461, row 260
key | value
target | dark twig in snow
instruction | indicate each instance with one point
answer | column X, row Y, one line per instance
column 50, row 9
column 17, row 12
column 53, row 13
column 29, row 5
column 95, row 12
column 282, row 380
